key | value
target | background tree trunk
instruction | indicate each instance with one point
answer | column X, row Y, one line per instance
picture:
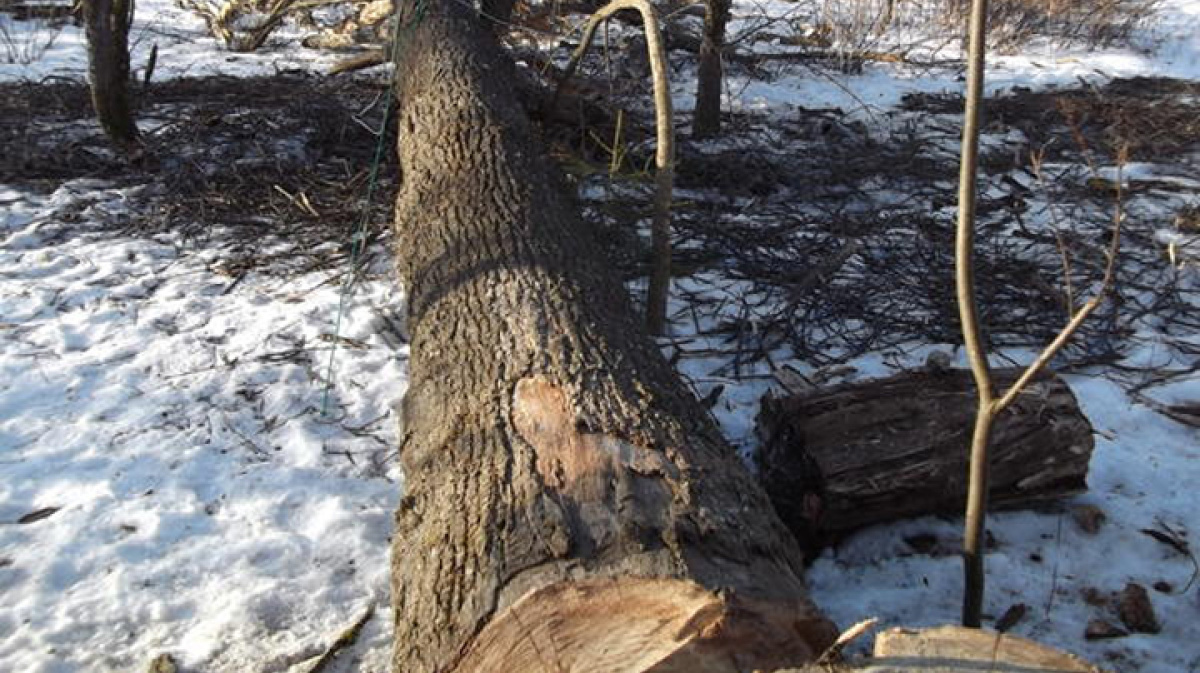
column 107, row 27
column 568, row 504
column 889, row 15
column 707, row 120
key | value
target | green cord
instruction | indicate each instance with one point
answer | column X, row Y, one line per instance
column 360, row 235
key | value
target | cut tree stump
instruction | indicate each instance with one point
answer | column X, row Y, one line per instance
column 954, row 649
column 865, row 453
column 568, row 504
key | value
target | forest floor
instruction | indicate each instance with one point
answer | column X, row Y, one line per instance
column 200, row 348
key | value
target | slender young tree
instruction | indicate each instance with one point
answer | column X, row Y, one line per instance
column 107, row 26
column 664, row 155
column 889, row 15
column 990, row 403
column 968, row 313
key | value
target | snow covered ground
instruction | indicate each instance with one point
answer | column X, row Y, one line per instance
column 173, row 479
column 1169, row 49
column 185, row 49
column 165, row 425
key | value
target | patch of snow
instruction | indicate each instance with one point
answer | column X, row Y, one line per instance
column 1141, row 477
column 185, row 49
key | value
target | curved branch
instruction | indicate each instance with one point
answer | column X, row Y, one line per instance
column 664, row 156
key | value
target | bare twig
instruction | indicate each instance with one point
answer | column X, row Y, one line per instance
column 1086, row 310
column 367, row 59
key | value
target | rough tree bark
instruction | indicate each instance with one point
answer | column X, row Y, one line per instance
column 707, row 119
column 568, row 505
column 107, row 27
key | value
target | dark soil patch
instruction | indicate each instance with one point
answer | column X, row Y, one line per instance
column 840, row 241
column 247, row 160
column 1155, row 118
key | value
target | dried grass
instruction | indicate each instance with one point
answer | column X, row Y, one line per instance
column 1095, row 23
column 857, row 27
column 26, row 41
column 1154, row 118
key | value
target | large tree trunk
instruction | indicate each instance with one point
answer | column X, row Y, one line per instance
column 568, row 505
column 108, row 23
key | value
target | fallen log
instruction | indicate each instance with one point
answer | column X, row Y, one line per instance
column 568, row 504
column 859, row 454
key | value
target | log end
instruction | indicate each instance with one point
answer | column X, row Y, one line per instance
column 644, row 625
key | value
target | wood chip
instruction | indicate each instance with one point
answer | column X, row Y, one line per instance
column 1089, row 518
column 1098, row 629
column 1136, row 611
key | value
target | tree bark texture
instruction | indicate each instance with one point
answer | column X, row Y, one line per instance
column 568, row 505
column 707, row 120
column 107, row 27
column 866, row 453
